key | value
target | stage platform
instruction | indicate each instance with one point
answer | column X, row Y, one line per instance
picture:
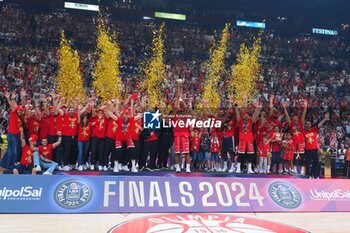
column 169, row 173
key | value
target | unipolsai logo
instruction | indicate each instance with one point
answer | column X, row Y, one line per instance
column 72, row 194
column 151, row 120
column 285, row 195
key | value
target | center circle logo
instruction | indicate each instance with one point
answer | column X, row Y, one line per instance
column 191, row 223
column 285, row 195
column 72, row 194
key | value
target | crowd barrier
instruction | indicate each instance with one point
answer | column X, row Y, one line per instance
column 133, row 194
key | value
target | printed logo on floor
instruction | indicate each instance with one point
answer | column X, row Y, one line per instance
column 285, row 195
column 72, row 194
column 204, row 223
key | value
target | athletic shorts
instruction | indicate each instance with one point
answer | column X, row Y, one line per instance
column 246, row 146
column 181, row 144
column 129, row 144
column 288, row 156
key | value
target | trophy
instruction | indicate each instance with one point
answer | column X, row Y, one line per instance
column 180, row 89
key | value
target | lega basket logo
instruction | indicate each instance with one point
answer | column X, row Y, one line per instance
column 285, row 195
column 72, row 194
column 192, row 223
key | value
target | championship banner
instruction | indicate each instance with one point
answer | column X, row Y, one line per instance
column 131, row 194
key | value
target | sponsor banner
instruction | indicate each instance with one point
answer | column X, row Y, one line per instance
column 131, row 194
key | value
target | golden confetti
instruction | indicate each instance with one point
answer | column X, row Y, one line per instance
column 155, row 69
column 216, row 71
column 107, row 82
column 244, row 74
column 69, row 82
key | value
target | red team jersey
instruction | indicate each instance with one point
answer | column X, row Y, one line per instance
column 275, row 146
column 245, row 130
column 215, row 146
column 70, row 125
column 52, row 125
column 230, row 130
column 44, row 127
column 288, row 150
column 46, row 151
column 27, row 155
column 15, row 123
column 311, row 139
column 84, row 132
column 195, row 144
column 112, row 127
column 181, row 131
column 264, row 149
column 33, row 126
column 99, row 127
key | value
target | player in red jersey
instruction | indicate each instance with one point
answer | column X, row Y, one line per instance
column 125, row 147
column 43, row 159
column 245, row 145
column 26, row 162
column 70, row 121
column 98, row 124
column 195, row 146
column 84, row 136
column 181, row 136
column 288, row 153
column 296, row 128
column 311, row 147
column 214, row 152
column 111, row 131
column 228, row 139
column 15, row 125
column 263, row 153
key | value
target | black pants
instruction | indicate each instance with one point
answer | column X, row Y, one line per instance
column 150, row 147
column 51, row 140
column 311, row 157
column 97, row 149
column 164, row 145
column 227, row 147
column 109, row 149
column 70, row 150
column 243, row 158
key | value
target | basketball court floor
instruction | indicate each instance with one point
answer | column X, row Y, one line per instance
column 309, row 222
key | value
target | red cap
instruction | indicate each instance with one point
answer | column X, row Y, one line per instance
column 33, row 138
column 20, row 108
column 51, row 107
column 126, row 112
column 134, row 96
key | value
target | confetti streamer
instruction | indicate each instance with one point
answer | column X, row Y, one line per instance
column 154, row 69
column 107, row 81
column 216, row 71
column 69, row 82
column 244, row 74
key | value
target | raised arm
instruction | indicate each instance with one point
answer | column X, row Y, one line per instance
column 303, row 116
column 238, row 115
column 326, row 118
column 272, row 97
column 258, row 107
column 284, row 105
column 11, row 101
column 37, row 109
